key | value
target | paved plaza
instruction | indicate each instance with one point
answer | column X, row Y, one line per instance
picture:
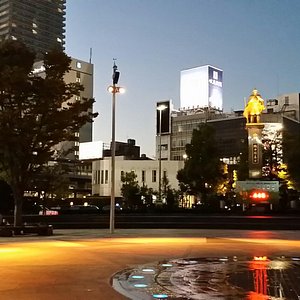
column 82, row 264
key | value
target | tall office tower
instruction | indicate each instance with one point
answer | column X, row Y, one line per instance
column 37, row 23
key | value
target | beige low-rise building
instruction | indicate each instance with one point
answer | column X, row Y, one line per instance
column 147, row 172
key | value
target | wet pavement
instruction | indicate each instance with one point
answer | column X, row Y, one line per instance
column 259, row 277
column 179, row 263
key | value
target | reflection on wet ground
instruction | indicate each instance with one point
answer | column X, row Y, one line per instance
column 255, row 278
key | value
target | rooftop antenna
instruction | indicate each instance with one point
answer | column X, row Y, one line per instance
column 91, row 52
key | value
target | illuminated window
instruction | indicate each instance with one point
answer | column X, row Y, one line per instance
column 215, row 75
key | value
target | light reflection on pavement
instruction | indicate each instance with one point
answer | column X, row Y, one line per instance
column 256, row 278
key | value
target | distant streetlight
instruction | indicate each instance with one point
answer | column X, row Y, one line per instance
column 114, row 89
column 160, row 108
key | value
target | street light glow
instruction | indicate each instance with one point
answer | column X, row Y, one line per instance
column 116, row 89
column 161, row 107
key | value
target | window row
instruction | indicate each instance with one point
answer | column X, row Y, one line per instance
column 102, row 177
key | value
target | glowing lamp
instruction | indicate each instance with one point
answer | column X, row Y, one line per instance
column 259, row 195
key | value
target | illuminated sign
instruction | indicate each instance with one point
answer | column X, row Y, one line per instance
column 201, row 87
column 255, row 153
column 163, row 124
column 259, row 195
column 215, row 89
column 91, row 150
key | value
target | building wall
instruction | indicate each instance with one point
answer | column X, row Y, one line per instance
column 147, row 169
column 39, row 24
column 83, row 73
column 201, row 87
column 230, row 133
column 80, row 171
column 286, row 104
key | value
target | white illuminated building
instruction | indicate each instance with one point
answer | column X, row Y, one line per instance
column 201, row 87
column 147, row 172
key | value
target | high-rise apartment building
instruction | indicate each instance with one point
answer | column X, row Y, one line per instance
column 37, row 23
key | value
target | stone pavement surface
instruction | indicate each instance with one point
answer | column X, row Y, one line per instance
column 80, row 264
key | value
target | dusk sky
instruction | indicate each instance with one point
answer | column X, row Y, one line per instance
column 255, row 42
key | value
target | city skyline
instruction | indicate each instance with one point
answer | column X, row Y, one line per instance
column 256, row 44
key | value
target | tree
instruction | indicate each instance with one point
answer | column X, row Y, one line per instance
column 243, row 164
column 52, row 180
column 291, row 152
column 130, row 190
column 203, row 168
column 36, row 114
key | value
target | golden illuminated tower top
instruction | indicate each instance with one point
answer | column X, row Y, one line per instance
column 254, row 107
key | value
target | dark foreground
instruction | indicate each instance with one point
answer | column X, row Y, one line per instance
column 81, row 264
column 181, row 221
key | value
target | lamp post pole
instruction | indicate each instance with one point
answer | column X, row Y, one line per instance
column 159, row 157
column 113, row 89
column 160, row 109
column 113, row 152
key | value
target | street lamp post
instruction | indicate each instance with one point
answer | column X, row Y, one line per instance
column 160, row 108
column 114, row 89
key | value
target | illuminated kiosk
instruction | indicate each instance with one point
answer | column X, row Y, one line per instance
column 255, row 190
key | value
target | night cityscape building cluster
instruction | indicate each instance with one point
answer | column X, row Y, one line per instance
column 41, row 26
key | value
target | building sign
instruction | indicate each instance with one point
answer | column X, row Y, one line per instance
column 215, row 88
column 201, row 87
column 91, row 150
column 255, row 153
column 248, row 185
column 163, row 124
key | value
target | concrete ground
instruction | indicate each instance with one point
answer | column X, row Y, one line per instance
column 79, row 264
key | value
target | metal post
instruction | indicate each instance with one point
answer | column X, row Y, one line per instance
column 113, row 150
column 159, row 162
column 113, row 89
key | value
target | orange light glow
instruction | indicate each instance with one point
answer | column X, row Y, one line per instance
column 260, row 258
column 259, row 268
column 259, row 195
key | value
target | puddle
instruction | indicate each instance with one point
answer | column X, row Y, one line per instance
column 258, row 278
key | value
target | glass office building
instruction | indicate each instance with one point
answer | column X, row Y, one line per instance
column 40, row 24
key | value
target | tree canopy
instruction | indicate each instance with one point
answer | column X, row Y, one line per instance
column 130, row 189
column 291, row 150
column 36, row 114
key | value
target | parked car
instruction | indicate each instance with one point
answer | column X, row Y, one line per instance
column 106, row 208
column 80, row 209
